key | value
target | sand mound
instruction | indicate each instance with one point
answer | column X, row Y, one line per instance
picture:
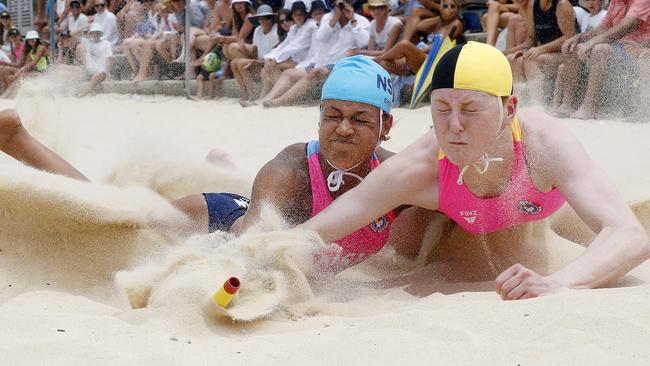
column 63, row 241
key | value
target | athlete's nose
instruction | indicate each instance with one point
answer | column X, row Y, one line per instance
column 344, row 128
column 455, row 126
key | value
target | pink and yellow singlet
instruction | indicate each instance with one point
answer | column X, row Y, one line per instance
column 521, row 203
column 356, row 247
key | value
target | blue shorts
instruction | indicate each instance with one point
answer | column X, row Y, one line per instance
column 224, row 209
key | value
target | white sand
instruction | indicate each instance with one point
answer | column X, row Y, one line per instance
column 62, row 241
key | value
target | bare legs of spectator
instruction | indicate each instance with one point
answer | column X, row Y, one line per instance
column 18, row 143
column 600, row 56
column 167, row 47
column 145, row 61
column 243, row 69
column 417, row 15
column 193, row 36
column 429, row 25
column 234, row 51
column 536, row 71
column 212, row 86
column 132, row 48
column 288, row 78
column 271, row 73
column 314, row 79
column 493, row 20
column 517, row 32
column 402, row 59
column 95, row 81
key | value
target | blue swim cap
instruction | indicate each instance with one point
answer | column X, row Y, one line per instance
column 359, row 79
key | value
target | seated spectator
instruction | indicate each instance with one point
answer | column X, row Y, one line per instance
column 128, row 17
column 288, row 4
column 291, row 76
column 95, row 53
column 146, row 30
column 265, row 38
column 204, row 40
column 284, row 24
column 5, row 26
column 167, row 41
column 593, row 17
column 497, row 16
column 384, row 30
column 610, row 50
column 35, row 60
column 517, row 32
column 72, row 30
column 239, row 44
column 423, row 10
column 341, row 30
column 549, row 23
column 210, row 64
column 170, row 46
column 10, row 60
column 107, row 21
column 405, row 58
column 292, row 51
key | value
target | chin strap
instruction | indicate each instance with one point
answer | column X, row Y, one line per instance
column 484, row 160
column 335, row 178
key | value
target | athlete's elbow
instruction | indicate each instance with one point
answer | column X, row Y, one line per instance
column 641, row 248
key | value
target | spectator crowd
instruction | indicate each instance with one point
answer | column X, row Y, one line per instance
column 581, row 58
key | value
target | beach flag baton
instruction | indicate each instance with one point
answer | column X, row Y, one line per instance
column 225, row 293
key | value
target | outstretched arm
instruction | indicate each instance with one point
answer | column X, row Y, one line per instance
column 19, row 144
column 409, row 177
column 621, row 243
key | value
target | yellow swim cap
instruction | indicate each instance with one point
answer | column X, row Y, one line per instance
column 474, row 66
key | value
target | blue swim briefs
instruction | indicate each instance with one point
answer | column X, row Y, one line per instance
column 224, row 209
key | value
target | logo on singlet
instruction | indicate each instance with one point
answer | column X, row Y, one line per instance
column 379, row 225
column 529, row 207
column 469, row 216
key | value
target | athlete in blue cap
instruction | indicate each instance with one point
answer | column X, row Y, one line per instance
column 303, row 179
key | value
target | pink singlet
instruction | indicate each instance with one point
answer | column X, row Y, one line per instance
column 356, row 247
column 521, row 203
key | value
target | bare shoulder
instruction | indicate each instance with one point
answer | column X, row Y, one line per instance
column 288, row 165
column 551, row 149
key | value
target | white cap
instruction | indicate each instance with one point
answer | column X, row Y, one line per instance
column 240, row 1
column 32, row 34
column 95, row 27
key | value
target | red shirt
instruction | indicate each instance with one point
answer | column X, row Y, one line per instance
column 640, row 9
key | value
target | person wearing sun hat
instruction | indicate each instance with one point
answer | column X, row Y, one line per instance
column 95, row 57
column 290, row 77
column 473, row 167
column 265, row 38
column 291, row 51
column 384, row 30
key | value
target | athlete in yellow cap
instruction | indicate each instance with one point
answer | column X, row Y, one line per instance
column 496, row 173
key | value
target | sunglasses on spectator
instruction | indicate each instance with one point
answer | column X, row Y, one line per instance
column 375, row 7
column 449, row 6
column 268, row 17
column 100, row 5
